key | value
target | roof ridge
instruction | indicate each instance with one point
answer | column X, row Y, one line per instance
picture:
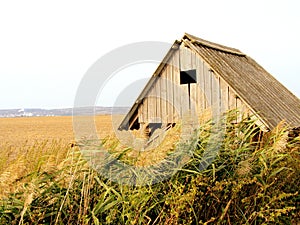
column 213, row 45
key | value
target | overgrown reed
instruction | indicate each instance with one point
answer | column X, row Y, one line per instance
column 254, row 179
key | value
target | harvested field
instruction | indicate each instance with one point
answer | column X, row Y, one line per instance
column 17, row 131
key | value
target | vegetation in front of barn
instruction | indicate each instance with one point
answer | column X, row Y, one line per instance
column 249, row 182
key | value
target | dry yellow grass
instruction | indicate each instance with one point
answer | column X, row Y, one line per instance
column 49, row 182
column 30, row 144
column 17, row 131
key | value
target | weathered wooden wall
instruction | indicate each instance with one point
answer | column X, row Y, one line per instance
column 209, row 91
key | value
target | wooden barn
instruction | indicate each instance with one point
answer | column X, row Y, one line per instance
column 196, row 75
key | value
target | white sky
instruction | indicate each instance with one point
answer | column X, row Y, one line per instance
column 47, row 46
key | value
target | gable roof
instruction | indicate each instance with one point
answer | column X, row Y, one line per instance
column 266, row 96
column 260, row 90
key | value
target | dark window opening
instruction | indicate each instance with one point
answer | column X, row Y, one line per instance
column 135, row 125
column 188, row 77
column 153, row 126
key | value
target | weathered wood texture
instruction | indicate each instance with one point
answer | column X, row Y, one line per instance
column 254, row 86
column 167, row 98
column 226, row 79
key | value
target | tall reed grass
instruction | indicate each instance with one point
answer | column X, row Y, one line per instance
column 254, row 179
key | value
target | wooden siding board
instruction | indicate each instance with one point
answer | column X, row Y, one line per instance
column 145, row 104
column 185, row 59
column 207, row 85
column 184, row 100
column 224, row 95
column 200, row 99
column 239, row 109
column 201, row 85
column 169, row 102
column 163, row 97
column 176, row 80
column 231, row 97
column 158, row 100
column 193, row 98
column 195, row 95
column 151, row 106
column 215, row 90
column 141, row 110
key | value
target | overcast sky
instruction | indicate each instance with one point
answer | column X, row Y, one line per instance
column 47, row 46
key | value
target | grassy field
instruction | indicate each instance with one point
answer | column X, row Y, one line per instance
column 26, row 143
column 43, row 180
column 17, row 131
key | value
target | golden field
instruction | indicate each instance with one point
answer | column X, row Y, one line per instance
column 28, row 144
column 26, row 132
column 17, row 131
column 31, row 144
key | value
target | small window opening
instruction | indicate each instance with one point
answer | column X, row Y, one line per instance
column 188, row 77
column 154, row 126
column 135, row 125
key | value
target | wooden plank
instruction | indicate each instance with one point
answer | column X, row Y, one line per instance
column 243, row 108
column 149, row 111
column 194, row 87
column 201, row 85
column 246, row 111
column 151, row 106
column 185, row 58
column 176, row 81
column 155, row 90
column 224, row 95
column 163, row 97
column 182, row 58
column 145, row 103
column 172, row 120
column 158, row 99
column 231, row 100
column 239, row 109
column 207, row 85
column 141, row 113
column 215, row 90
column 169, row 93
column 193, row 61
column 189, row 64
column 193, row 98
column 154, row 102
column 238, row 104
column 200, row 99
column 220, row 96
column 184, row 100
